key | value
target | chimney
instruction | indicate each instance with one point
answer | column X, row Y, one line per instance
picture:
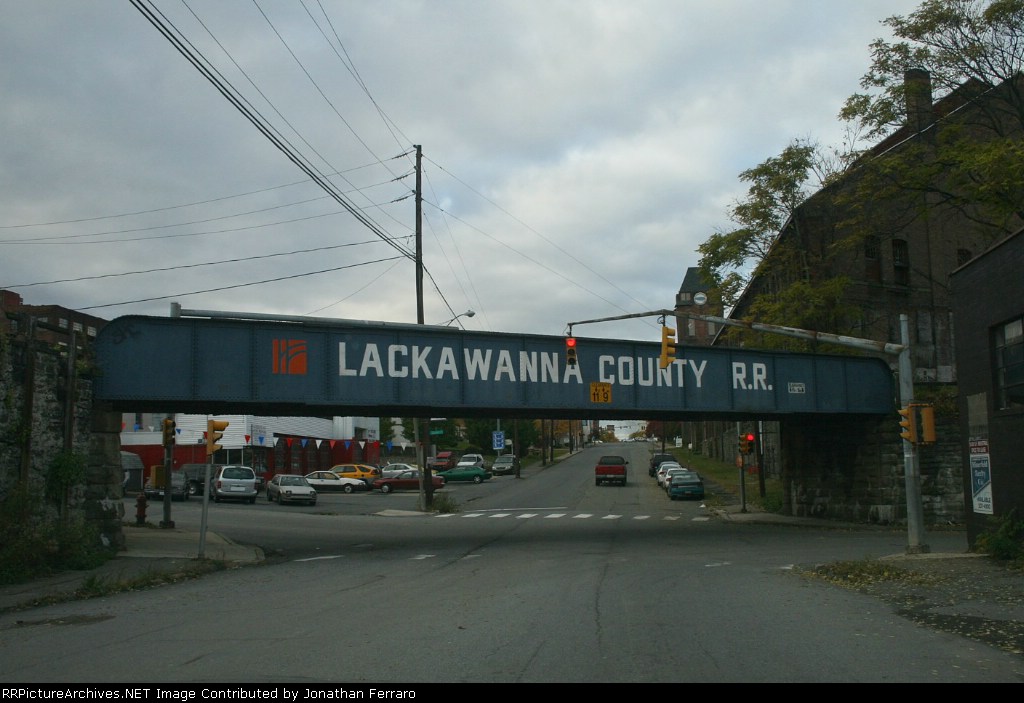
column 918, row 86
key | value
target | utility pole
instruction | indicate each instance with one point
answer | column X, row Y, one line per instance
column 419, row 435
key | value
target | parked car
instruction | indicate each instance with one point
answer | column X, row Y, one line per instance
column 656, row 461
column 290, row 488
column 505, row 464
column 465, row 471
column 180, row 488
column 663, row 469
column 363, row 472
column 477, row 459
column 395, row 469
column 442, row 462
column 672, row 472
column 234, row 483
column 330, row 481
column 405, row 481
column 687, row 484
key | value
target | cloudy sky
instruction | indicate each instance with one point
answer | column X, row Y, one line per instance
column 575, row 153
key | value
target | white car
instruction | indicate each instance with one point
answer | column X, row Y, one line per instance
column 663, row 469
column 473, row 460
column 290, row 488
column 395, row 469
column 330, row 481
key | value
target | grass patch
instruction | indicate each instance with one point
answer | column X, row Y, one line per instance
column 444, row 503
column 727, row 476
column 37, row 543
column 94, row 586
column 867, row 572
column 1004, row 540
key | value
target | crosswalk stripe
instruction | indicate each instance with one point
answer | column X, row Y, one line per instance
column 577, row 516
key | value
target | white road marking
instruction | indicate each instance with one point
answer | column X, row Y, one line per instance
column 333, row 556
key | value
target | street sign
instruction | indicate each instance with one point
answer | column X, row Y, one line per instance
column 437, row 432
column 600, row 392
column 497, row 440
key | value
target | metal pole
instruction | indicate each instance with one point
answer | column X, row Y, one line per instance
column 742, row 464
column 911, row 471
column 167, row 522
column 206, row 504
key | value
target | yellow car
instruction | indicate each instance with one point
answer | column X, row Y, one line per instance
column 361, row 471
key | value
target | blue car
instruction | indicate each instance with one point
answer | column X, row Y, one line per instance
column 686, row 485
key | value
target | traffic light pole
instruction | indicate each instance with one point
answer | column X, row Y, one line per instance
column 911, row 467
column 168, row 431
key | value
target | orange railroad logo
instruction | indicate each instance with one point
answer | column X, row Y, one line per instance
column 290, row 356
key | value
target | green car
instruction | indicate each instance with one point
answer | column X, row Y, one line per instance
column 465, row 472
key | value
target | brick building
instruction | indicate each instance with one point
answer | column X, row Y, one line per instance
column 988, row 308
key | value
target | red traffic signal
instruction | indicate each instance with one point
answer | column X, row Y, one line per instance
column 747, row 443
column 570, row 351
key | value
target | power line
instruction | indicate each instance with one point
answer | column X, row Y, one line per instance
column 239, row 285
column 185, row 266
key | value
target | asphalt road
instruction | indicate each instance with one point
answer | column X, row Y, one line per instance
column 547, row 579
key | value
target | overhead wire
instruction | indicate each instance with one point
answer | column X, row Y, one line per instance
column 179, row 267
column 252, row 115
column 238, row 285
column 323, row 181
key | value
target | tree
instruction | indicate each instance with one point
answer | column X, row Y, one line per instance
column 777, row 186
column 972, row 51
column 969, row 164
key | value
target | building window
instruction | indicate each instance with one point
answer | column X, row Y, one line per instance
column 91, row 331
column 62, row 323
column 1009, row 363
column 872, row 258
column 900, row 262
column 78, row 327
column 963, row 256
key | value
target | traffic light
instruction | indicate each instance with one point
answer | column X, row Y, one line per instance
column 570, row 351
column 169, row 426
column 909, row 424
column 747, row 443
column 214, row 431
column 927, row 424
column 668, row 347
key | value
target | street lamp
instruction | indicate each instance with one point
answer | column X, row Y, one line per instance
column 468, row 313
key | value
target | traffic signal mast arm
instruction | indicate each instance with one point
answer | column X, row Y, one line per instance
column 841, row 340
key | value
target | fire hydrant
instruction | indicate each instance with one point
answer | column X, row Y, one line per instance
column 140, row 509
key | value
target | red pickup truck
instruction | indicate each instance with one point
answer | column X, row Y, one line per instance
column 610, row 469
column 442, row 462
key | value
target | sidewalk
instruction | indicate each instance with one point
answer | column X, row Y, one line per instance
column 944, row 544
column 150, row 551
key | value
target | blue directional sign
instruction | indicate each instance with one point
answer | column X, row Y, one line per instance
column 497, row 440
column 364, row 368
